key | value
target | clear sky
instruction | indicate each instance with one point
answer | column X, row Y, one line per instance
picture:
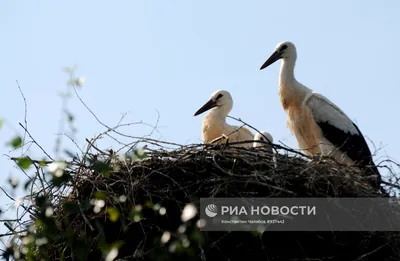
column 145, row 57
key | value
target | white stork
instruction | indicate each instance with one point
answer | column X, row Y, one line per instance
column 266, row 138
column 266, row 143
column 319, row 125
column 214, row 125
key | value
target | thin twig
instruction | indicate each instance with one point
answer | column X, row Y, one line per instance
column 30, row 136
column 25, row 114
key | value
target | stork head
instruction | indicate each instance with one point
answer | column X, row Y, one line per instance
column 221, row 100
column 262, row 136
column 284, row 50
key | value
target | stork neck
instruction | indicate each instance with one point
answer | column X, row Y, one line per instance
column 217, row 115
column 287, row 72
column 291, row 92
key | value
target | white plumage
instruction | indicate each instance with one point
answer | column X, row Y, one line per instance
column 266, row 139
column 265, row 145
column 327, row 113
column 214, row 124
column 319, row 125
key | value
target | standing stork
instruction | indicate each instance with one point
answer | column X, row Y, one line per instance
column 214, row 125
column 319, row 125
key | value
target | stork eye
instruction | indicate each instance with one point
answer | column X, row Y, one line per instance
column 283, row 48
column 219, row 96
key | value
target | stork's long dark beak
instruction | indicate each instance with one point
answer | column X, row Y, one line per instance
column 207, row 106
column 275, row 56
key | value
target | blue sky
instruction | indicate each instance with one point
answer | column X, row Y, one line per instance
column 145, row 57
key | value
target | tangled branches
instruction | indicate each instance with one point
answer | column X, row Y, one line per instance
column 130, row 205
column 134, row 205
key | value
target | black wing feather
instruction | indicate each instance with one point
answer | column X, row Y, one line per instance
column 347, row 139
column 355, row 146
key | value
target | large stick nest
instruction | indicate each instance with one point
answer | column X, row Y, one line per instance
column 140, row 203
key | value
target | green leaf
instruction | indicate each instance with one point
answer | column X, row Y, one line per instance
column 148, row 204
column 103, row 246
column 102, row 167
column 135, row 215
column 100, row 195
column 117, row 244
column 113, row 213
column 59, row 181
column 24, row 162
column 16, row 142
column 1, row 124
column 42, row 163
